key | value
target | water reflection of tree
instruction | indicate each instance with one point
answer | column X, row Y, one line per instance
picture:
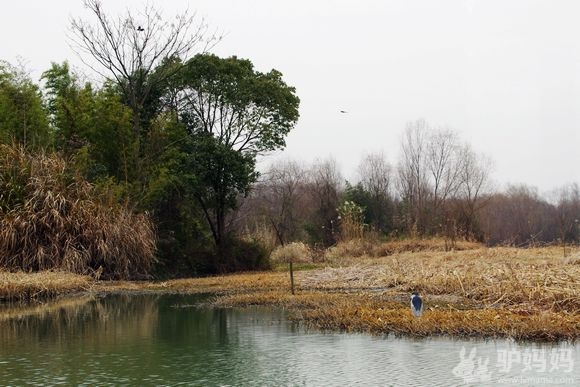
column 98, row 320
column 111, row 319
column 133, row 339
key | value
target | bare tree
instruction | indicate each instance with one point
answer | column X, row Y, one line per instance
column 376, row 178
column 444, row 169
column 519, row 216
column 131, row 48
column 474, row 175
column 376, row 174
column 285, row 186
column 413, row 179
column 325, row 187
column 568, row 213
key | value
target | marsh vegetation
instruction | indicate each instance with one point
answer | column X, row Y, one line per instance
column 482, row 292
column 528, row 294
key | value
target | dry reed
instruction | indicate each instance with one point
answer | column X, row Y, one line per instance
column 371, row 247
column 54, row 219
column 501, row 292
column 295, row 252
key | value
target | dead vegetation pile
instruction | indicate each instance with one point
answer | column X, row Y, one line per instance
column 374, row 315
column 51, row 218
column 295, row 252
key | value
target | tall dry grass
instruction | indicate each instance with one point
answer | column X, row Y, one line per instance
column 295, row 252
column 373, row 247
column 51, row 218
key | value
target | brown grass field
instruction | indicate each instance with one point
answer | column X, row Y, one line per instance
column 525, row 294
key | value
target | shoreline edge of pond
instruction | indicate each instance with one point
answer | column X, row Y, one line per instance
column 524, row 294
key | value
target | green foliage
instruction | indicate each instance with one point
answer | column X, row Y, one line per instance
column 182, row 237
column 94, row 123
column 241, row 255
column 219, row 114
column 232, row 113
column 247, row 110
column 378, row 209
column 110, row 138
column 222, row 176
column 184, row 149
column 23, row 117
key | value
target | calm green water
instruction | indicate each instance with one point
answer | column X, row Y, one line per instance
column 167, row 340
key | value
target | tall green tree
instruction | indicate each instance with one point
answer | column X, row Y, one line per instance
column 246, row 110
column 223, row 174
column 171, row 181
column 234, row 113
column 70, row 106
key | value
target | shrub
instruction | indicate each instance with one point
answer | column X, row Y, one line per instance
column 240, row 255
column 351, row 217
column 295, row 252
column 51, row 218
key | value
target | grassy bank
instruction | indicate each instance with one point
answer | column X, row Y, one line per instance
column 40, row 286
column 478, row 292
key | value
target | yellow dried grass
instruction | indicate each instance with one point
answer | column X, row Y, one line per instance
column 295, row 252
column 526, row 278
column 21, row 286
column 54, row 219
column 501, row 292
column 370, row 247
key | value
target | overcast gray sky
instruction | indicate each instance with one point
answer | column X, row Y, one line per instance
column 504, row 74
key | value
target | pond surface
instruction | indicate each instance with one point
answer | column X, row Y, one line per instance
column 168, row 340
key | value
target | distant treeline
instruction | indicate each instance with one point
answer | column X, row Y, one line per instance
column 439, row 187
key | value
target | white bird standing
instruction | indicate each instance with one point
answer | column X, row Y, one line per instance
column 416, row 304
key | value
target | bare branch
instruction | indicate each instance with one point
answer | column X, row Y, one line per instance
column 130, row 47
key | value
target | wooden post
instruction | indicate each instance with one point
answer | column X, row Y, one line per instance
column 291, row 278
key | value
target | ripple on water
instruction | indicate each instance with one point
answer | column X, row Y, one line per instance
column 145, row 341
